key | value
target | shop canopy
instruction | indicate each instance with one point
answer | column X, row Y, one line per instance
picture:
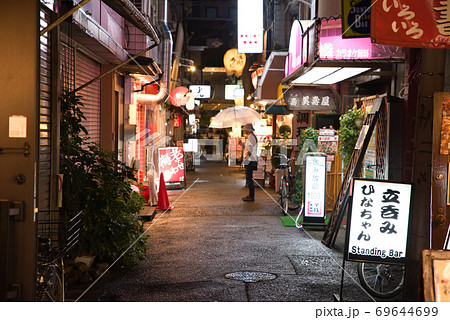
column 271, row 77
column 276, row 109
column 321, row 56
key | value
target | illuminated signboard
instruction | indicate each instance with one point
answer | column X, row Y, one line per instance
column 250, row 26
column 333, row 47
column 314, row 185
column 233, row 91
column 201, row 91
column 295, row 56
column 171, row 164
column 379, row 222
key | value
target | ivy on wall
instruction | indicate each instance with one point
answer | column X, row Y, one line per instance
column 350, row 125
column 311, row 136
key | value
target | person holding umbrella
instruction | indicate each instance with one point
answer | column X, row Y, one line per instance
column 250, row 157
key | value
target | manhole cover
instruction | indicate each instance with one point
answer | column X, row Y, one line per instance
column 250, row 276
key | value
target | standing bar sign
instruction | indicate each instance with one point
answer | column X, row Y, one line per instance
column 315, row 172
column 378, row 227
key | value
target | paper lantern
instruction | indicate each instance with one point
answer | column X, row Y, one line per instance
column 178, row 97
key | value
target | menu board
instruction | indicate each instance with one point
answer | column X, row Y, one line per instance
column 314, row 185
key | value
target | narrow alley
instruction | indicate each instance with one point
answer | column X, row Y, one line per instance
column 211, row 235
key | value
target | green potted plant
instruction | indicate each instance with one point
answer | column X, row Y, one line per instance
column 350, row 124
column 99, row 186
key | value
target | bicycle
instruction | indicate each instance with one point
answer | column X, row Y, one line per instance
column 381, row 280
column 50, row 259
column 50, row 275
column 287, row 185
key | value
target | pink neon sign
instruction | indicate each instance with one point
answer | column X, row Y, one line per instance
column 294, row 57
column 333, row 47
column 336, row 48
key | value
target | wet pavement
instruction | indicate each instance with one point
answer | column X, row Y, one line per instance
column 211, row 233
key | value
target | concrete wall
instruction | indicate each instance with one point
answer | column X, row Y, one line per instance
column 328, row 8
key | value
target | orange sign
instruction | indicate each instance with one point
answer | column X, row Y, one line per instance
column 407, row 23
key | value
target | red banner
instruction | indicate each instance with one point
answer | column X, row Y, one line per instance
column 411, row 23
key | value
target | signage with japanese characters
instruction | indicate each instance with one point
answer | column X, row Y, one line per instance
column 201, row 91
column 300, row 121
column 171, row 164
column 327, row 141
column 176, row 120
column 303, row 98
column 419, row 24
column 379, row 221
column 333, row 47
column 250, row 26
column 314, row 185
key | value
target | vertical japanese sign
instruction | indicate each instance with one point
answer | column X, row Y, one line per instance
column 407, row 23
column 314, row 185
column 445, row 125
column 377, row 230
column 171, row 164
column 300, row 121
column 176, row 120
column 250, row 26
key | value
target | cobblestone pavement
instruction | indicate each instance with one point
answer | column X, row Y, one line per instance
column 211, row 233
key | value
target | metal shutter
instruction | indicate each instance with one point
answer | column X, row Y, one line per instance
column 87, row 69
column 45, row 112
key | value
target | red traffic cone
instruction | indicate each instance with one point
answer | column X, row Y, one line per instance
column 163, row 200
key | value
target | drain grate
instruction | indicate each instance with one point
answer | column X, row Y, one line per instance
column 250, row 276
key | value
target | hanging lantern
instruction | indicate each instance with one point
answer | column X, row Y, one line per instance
column 234, row 62
column 190, row 103
column 176, row 120
column 178, row 96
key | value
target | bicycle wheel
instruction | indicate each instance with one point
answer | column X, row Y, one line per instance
column 284, row 200
column 50, row 286
column 381, row 280
column 291, row 203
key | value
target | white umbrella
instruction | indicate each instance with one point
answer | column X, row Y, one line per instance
column 234, row 116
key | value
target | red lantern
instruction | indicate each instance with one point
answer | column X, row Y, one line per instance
column 176, row 120
column 178, row 97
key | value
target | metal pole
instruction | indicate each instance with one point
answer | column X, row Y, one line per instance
column 64, row 17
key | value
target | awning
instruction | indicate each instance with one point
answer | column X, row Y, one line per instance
column 276, row 109
column 325, row 72
column 272, row 75
column 320, row 55
column 130, row 13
